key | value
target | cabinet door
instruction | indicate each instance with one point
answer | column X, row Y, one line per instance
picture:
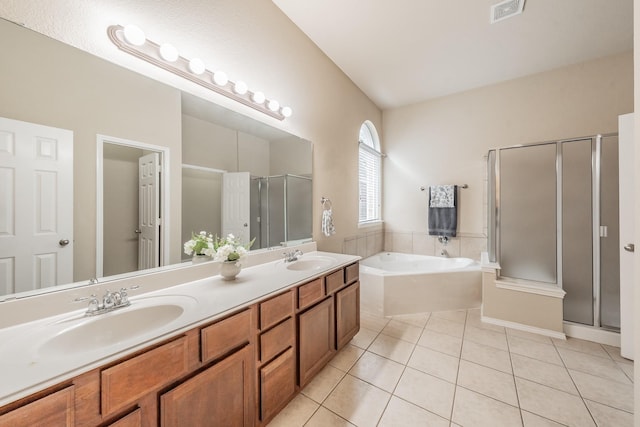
column 219, row 396
column 55, row 410
column 347, row 314
column 316, row 339
column 277, row 384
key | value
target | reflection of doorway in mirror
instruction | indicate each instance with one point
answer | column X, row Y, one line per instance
column 36, row 206
column 131, row 206
column 201, row 196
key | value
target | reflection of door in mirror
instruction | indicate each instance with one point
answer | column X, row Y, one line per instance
column 130, row 203
column 235, row 205
column 148, row 230
column 36, row 206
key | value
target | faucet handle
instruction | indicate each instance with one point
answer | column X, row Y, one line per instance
column 107, row 300
column 124, row 297
column 94, row 304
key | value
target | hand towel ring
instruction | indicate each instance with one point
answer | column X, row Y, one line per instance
column 326, row 203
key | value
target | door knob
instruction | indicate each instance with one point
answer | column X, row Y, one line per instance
column 138, row 231
column 63, row 242
column 629, row 247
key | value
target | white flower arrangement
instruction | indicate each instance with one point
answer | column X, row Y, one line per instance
column 200, row 244
column 230, row 249
column 220, row 249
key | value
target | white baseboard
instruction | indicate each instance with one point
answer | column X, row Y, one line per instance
column 592, row 334
column 525, row 328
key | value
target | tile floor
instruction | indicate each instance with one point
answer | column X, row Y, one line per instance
column 450, row 369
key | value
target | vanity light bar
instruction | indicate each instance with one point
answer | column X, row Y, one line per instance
column 131, row 39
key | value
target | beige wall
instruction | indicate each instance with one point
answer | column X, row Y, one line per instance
column 541, row 313
column 445, row 140
column 51, row 84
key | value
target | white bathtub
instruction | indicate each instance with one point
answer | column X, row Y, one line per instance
column 394, row 283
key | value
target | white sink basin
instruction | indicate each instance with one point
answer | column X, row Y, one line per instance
column 310, row 263
column 142, row 316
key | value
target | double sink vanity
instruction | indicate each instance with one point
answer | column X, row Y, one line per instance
column 205, row 352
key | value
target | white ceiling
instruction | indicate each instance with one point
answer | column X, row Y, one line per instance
column 405, row 51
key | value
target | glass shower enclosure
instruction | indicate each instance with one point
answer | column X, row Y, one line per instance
column 281, row 209
column 553, row 221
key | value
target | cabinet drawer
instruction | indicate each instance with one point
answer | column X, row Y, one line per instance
column 53, row 410
column 334, row 281
column 125, row 383
column 310, row 293
column 134, row 419
column 277, row 384
column 225, row 335
column 352, row 272
column 277, row 339
column 276, row 309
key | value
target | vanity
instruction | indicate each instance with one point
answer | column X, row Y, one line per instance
column 206, row 352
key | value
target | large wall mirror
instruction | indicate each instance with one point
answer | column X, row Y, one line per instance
column 120, row 124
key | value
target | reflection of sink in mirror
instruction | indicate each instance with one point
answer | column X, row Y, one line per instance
column 310, row 263
column 143, row 316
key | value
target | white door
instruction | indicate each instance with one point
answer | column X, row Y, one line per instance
column 627, row 228
column 36, row 206
column 149, row 211
column 235, row 205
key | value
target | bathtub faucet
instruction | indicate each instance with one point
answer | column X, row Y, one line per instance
column 444, row 253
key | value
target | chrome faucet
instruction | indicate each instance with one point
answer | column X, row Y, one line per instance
column 444, row 253
column 110, row 301
column 292, row 256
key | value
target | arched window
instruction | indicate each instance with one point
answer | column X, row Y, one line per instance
column 369, row 174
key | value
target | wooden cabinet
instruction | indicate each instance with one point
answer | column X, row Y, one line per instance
column 316, row 339
column 55, row 410
column 237, row 371
column 347, row 314
column 219, row 396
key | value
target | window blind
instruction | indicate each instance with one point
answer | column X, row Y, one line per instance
column 369, row 166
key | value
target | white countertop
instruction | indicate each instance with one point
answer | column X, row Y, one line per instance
column 28, row 363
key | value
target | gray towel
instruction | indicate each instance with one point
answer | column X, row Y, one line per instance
column 444, row 221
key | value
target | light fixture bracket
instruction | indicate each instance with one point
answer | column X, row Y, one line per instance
column 150, row 52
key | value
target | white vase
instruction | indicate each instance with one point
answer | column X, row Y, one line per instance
column 230, row 269
column 197, row 259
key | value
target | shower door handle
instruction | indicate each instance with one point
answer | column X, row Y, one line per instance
column 630, row 247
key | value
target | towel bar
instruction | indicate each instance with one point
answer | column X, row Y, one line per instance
column 422, row 188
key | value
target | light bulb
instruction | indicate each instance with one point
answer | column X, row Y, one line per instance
column 134, row 35
column 287, row 111
column 258, row 97
column 220, row 78
column 196, row 66
column 240, row 87
column 273, row 105
column 168, row 52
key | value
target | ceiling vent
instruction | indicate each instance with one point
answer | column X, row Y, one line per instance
column 506, row 9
